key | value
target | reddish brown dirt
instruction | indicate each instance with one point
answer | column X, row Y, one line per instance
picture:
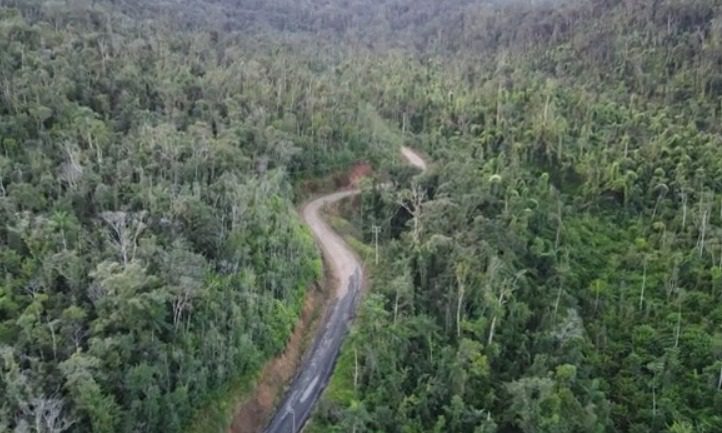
column 338, row 180
column 251, row 415
column 357, row 173
column 351, row 177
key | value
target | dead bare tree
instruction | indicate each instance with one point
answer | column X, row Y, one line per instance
column 46, row 416
column 412, row 200
column 644, row 284
column 685, row 197
column 182, row 301
column 506, row 287
column 126, row 229
column 462, row 270
column 3, row 193
column 703, row 231
column 71, row 171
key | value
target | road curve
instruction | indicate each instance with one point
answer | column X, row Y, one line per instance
column 309, row 383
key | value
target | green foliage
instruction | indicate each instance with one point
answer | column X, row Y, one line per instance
column 567, row 232
column 556, row 270
column 150, row 251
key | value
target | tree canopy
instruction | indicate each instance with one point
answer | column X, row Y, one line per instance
column 557, row 269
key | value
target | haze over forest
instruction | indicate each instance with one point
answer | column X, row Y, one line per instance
column 557, row 268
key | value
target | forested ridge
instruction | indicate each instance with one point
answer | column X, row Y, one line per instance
column 557, row 269
column 149, row 248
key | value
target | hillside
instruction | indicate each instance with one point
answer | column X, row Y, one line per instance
column 557, row 269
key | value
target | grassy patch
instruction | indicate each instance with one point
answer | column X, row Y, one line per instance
column 340, row 389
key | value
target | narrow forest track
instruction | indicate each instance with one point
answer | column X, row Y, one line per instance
column 347, row 273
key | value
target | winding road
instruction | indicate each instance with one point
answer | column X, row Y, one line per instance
column 347, row 271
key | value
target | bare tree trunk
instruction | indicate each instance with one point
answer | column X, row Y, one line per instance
column 103, row 57
column 459, row 303
column 560, row 148
column 679, row 328
column 703, row 233
column 556, row 303
column 416, row 229
column 396, row 305
column 65, row 240
column 654, row 402
column 10, row 97
column 644, row 284
column 684, row 210
column 431, row 349
column 461, row 271
column 51, row 326
column 491, row 332
column 355, row 370
column 557, row 240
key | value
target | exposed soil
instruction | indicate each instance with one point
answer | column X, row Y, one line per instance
column 357, row 173
column 349, row 178
column 251, row 416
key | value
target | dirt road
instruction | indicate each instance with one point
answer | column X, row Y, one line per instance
column 347, row 271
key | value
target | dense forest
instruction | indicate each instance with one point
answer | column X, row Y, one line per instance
column 557, row 269
column 149, row 247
